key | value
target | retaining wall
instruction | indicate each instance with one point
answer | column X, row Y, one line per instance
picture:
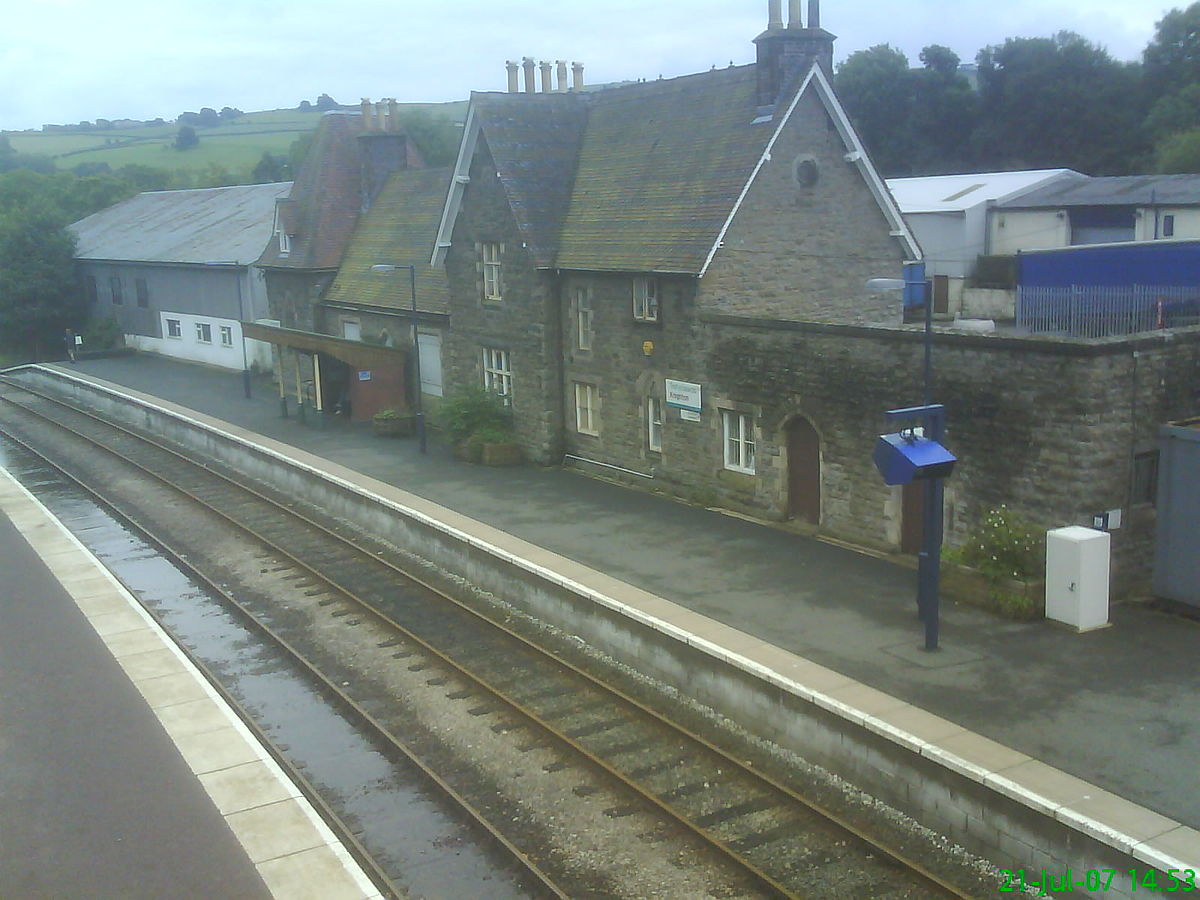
column 1019, row 815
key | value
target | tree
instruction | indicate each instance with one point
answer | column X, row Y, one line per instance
column 875, row 88
column 1060, row 101
column 229, row 113
column 326, row 103
column 187, row 138
column 1179, row 153
column 436, row 137
column 944, row 115
column 209, row 118
column 1172, row 58
column 269, row 169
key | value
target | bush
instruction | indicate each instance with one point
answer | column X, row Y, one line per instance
column 103, row 334
column 476, row 412
column 1004, row 545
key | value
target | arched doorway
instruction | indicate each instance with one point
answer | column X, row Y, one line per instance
column 804, row 471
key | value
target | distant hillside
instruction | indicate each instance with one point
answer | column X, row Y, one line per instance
column 236, row 145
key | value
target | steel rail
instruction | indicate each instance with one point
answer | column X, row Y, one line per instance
column 327, row 685
column 727, row 758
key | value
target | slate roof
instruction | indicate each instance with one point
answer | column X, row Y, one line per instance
column 398, row 229
column 661, row 165
column 534, row 140
column 638, row 178
column 1122, row 190
column 228, row 225
column 326, row 199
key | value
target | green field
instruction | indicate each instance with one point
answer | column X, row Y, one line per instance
column 235, row 145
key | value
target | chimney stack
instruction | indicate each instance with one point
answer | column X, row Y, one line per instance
column 527, row 65
column 774, row 15
column 786, row 54
column 544, row 67
column 577, row 76
column 561, row 74
column 513, row 68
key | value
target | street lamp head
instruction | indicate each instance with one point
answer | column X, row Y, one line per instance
column 885, row 284
column 381, row 267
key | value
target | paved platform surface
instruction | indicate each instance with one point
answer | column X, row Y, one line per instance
column 124, row 776
column 1116, row 707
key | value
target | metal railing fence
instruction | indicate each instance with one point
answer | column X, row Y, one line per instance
column 1101, row 311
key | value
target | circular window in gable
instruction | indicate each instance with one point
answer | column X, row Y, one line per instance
column 804, row 171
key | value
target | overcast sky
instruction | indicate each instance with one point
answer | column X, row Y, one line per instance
column 64, row 61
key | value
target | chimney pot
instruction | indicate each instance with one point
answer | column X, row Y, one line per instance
column 366, row 113
column 577, row 76
column 814, row 13
column 561, row 73
column 513, row 68
column 393, row 115
column 527, row 65
column 544, row 67
column 794, row 20
column 774, row 15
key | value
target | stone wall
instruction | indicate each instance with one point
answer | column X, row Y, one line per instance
column 524, row 323
column 1048, row 427
column 807, row 236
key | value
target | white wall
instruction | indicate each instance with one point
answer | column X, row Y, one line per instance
column 189, row 346
column 1015, row 230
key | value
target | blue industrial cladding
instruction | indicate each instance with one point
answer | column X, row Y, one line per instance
column 1158, row 263
column 903, row 458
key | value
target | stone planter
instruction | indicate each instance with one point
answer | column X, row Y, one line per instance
column 1023, row 599
column 392, row 426
column 505, row 454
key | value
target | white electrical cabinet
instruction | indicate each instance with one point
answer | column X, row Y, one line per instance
column 1077, row 577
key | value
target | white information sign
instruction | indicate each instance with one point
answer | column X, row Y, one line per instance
column 689, row 415
column 683, row 395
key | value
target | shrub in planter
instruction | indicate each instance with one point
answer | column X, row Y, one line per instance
column 462, row 416
column 391, row 423
column 1004, row 565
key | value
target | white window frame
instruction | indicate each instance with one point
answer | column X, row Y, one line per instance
column 226, row 335
column 737, row 438
column 493, row 284
column 175, row 329
column 645, row 299
column 203, row 333
column 497, row 372
column 587, row 408
column 583, row 319
column 654, row 424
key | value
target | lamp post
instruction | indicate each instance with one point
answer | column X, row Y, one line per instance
column 419, row 410
column 929, row 461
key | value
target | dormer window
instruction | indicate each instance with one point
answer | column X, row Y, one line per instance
column 285, row 228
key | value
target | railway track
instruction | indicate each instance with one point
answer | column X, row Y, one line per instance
column 778, row 842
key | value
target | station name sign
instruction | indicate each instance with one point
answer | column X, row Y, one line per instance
column 683, row 395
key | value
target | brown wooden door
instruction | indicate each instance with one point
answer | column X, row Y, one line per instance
column 804, row 471
column 912, row 514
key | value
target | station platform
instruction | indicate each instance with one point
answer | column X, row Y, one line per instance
column 1102, row 726
column 125, row 776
